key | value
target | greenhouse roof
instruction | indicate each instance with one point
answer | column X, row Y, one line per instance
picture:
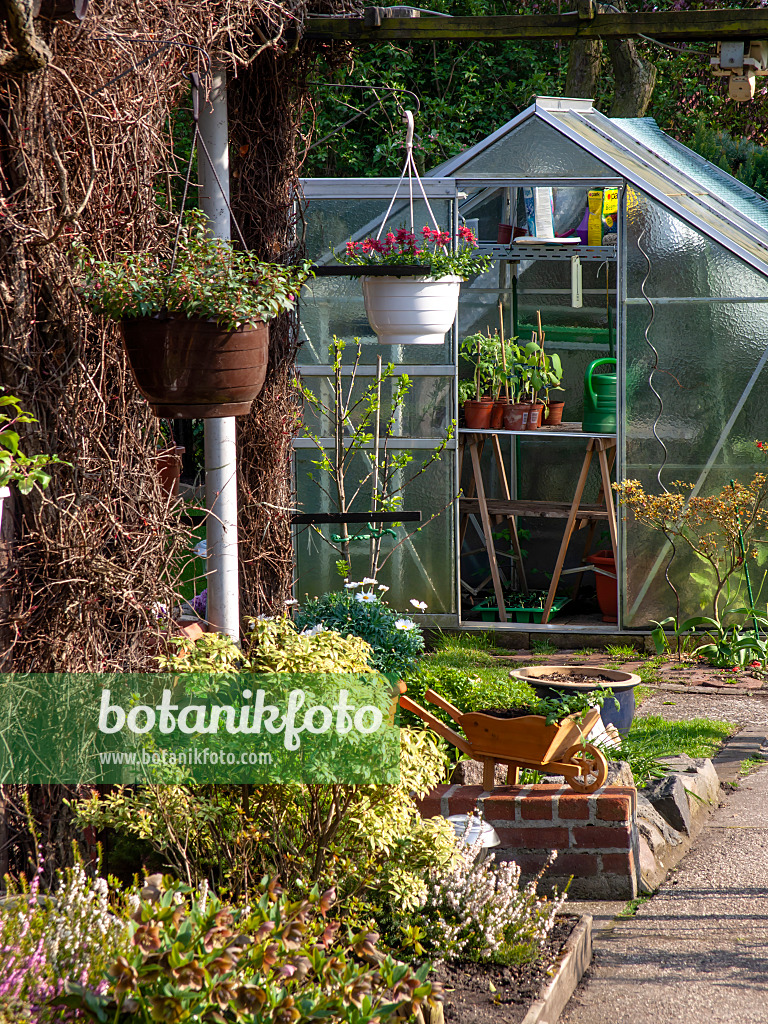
column 637, row 149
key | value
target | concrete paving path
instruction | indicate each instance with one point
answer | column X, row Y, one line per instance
column 697, row 952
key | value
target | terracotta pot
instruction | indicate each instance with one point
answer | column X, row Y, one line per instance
column 535, row 412
column 194, row 369
column 411, row 310
column 607, row 588
column 478, row 414
column 497, row 416
column 553, row 414
column 169, row 469
column 516, row 416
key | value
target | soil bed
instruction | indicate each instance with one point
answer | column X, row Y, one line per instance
column 469, row 998
column 571, row 678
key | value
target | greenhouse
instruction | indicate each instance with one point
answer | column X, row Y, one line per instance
column 671, row 282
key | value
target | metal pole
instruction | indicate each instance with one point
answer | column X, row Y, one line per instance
column 223, row 610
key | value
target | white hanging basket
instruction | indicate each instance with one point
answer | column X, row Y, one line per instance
column 5, row 492
column 411, row 310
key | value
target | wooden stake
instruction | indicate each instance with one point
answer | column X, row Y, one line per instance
column 503, row 350
column 477, row 378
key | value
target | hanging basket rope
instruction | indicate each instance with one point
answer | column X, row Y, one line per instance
column 409, row 167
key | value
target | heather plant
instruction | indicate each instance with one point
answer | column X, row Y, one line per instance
column 276, row 961
column 359, row 610
column 477, row 910
column 46, row 940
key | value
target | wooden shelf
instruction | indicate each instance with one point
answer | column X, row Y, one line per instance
column 523, row 507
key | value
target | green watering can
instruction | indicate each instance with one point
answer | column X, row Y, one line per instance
column 599, row 399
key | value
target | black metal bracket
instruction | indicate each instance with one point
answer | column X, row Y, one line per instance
column 337, row 518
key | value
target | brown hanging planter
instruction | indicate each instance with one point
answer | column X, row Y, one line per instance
column 195, row 369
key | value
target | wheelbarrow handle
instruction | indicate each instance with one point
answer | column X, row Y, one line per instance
column 437, row 726
column 444, row 705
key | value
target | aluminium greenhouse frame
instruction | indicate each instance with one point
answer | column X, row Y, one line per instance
column 658, row 174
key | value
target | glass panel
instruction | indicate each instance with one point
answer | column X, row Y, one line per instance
column 331, row 223
column 717, row 182
column 426, row 411
column 536, row 150
column 709, row 351
column 334, row 305
column 420, row 568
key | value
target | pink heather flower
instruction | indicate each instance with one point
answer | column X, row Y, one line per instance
column 467, row 236
column 401, row 235
column 390, row 238
column 369, row 245
column 352, row 248
column 441, row 238
column 427, row 232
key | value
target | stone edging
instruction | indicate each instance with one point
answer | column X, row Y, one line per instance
column 555, row 993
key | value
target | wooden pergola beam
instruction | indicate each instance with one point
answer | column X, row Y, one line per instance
column 677, row 26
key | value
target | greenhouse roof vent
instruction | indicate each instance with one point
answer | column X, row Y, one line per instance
column 564, row 103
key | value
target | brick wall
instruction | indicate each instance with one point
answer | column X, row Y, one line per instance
column 595, row 834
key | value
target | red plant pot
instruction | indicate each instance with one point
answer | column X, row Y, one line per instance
column 607, row 588
column 478, row 414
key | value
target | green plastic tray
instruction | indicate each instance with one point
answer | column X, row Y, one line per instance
column 489, row 612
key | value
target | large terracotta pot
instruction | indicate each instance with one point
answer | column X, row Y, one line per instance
column 411, row 310
column 194, row 369
column 169, row 468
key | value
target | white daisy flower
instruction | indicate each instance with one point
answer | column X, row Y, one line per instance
column 291, row 601
column 405, row 624
column 366, row 596
column 383, row 588
column 368, row 580
column 421, row 605
column 313, row 630
column 352, row 586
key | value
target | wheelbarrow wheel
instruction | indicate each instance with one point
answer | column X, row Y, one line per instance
column 591, row 768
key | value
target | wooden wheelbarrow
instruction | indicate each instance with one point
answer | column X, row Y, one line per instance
column 526, row 742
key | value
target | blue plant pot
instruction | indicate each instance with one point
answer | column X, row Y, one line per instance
column 622, row 683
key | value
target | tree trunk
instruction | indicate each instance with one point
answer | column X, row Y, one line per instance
column 634, row 76
column 583, row 68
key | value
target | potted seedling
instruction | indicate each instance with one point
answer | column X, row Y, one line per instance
column 476, row 395
column 194, row 323
column 551, row 370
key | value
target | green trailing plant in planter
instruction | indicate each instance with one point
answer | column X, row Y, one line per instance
column 17, row 468
column 211, row 279
column 194, row 321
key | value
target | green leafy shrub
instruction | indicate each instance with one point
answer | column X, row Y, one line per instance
column 211, row 279
column 192, row 958
column 269, row 645
column 15, row 467
column 396, row 641
column 364, row 840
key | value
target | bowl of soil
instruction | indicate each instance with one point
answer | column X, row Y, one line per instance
column 548, row 681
